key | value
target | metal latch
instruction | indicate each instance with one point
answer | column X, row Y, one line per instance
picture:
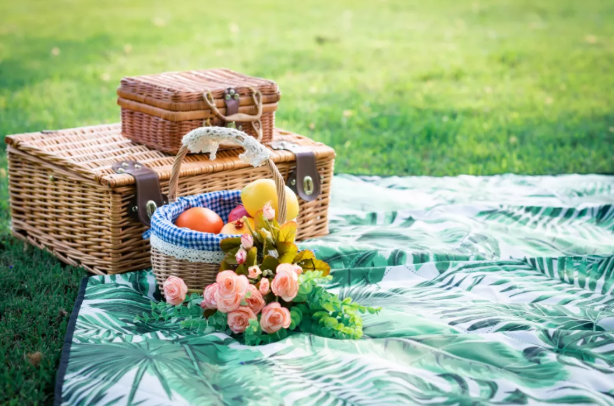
column 232, row 102
column 148, row 196
column 305, row 179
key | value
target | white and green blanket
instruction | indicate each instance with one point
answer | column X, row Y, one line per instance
column 496, row 290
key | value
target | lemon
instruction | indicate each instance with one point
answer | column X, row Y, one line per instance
column 262, row 191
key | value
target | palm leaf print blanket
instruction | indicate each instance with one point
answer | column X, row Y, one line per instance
column 495, row 290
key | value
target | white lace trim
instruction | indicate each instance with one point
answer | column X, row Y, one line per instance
column 208, row 139
column 192, row 255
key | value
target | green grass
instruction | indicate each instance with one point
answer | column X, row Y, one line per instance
column 397, row 87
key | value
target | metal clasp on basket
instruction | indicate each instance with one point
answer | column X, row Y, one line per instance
column 148, row 195
column 232, row 102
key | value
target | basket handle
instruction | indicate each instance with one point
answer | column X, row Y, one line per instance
column 242, row 117
column 234, row 136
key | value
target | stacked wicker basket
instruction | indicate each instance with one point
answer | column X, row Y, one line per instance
column 158, row 110
column 69, row 197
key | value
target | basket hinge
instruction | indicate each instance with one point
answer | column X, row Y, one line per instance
column 148, row 196
column 305, row 179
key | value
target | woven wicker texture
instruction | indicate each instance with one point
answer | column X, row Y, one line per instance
column 66, row 198
column 157, row 110
column 166, row 135
column 196, row 275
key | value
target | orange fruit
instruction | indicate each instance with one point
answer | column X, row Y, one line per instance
column 200, row 219
column 262, row 191
column 238, row 227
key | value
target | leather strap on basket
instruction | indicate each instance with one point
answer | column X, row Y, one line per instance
column 239, row 117
column 148, row 194
column 305, row 179
column 280, row 186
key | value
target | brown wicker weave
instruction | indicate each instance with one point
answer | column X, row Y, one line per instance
column 66, row 198
column 197, row 275
column 158, row 110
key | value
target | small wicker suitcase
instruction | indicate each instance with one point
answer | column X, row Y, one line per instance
column 75, row 192
column 158, row 110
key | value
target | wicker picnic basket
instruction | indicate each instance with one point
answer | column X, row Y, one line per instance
column 158, row 110
column 68, row 193
column 191, row 255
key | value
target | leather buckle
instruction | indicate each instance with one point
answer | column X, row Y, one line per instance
column 148, row 196
column 305, row 180
column 231, row 100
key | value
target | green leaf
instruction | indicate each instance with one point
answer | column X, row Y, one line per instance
column 328, row 305
column 374, row 310
column 322, row 267
column 305, row 288
column 226, row 266
column 230, row 243
column 304, row 255
column 252, row 256
column 269, row 263
column 241, row 270
column 297, row 310
column 319, row 315
column 287, row 252
column 230, row 256
column 287, row 232
column 218, row 321
column 296, row 316
column 331, row 322
column 314, row 264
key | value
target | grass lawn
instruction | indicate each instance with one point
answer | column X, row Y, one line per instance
column 396, row 86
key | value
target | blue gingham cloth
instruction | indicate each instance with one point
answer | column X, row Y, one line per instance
column 163, row 221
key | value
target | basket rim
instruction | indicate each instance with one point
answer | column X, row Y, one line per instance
column 97, row 147
column 189, row 106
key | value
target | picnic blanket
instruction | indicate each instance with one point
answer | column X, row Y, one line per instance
column 496, row 290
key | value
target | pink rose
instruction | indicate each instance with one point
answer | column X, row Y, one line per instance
column 274, row 317
column 285, row 283
column 209, row 297
column 255, row 301
column 175, row 290
column 231, row 290
column 298, row 269
column 247, row 241
column 227, row 305
column 268, row 211
column 264, row 286
column 253, row 272
column 238, row 320
column 241, row 256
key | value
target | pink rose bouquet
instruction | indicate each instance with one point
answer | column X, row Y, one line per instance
column 266, row 287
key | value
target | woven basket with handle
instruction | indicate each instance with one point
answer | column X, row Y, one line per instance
column 194, row 256
column 157, row 110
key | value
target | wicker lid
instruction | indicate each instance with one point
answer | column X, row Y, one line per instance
column 189, row 86
column 90, row 152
